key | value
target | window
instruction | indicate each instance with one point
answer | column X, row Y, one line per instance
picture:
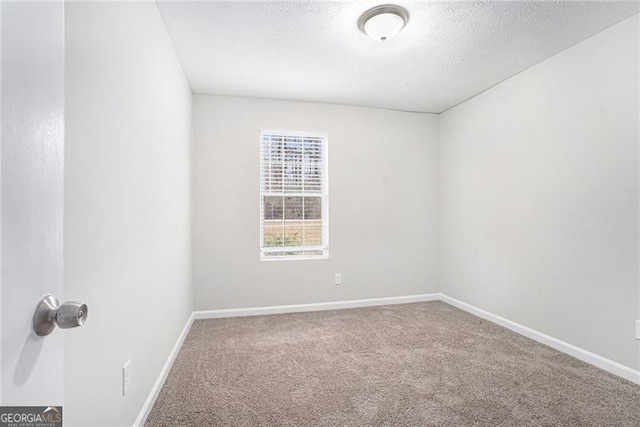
column 293, row 196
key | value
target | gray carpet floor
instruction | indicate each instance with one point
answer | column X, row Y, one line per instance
column 401, row 365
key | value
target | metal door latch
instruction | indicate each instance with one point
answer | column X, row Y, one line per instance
column 50, row 313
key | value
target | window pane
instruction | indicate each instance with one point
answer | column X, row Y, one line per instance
column 293, row 233
column 312, row 232
column 292, row 164
column 312, row 221
column 275, row 177
column 273, row 233
column 273, row 207
column 312, row 207
column 311, row 253
column 274, row 145
column 273, row 254
column 312, row 166
column 293, row 207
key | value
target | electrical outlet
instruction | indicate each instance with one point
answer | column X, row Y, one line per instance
column 338, row 279
column 126, row 377
column 638, row 329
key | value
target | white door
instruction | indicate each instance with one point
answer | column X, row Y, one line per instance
column 32, row 160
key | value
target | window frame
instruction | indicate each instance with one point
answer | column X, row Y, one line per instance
column 324, row 200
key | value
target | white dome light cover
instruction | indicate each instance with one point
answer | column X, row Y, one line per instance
column 383, row 22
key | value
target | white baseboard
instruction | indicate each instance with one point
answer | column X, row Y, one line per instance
column 300, row 308
column 155, row 390
column 570, row 349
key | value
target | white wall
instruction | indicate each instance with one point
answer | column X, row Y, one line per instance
column 382, row 204
column 127, row 202
column 32, row 136
column 539, row 196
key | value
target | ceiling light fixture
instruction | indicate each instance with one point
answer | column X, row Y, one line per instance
column 383, row 22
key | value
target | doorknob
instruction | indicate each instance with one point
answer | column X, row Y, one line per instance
column 50, row 313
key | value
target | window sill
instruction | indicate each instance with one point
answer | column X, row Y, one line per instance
column 294, row 258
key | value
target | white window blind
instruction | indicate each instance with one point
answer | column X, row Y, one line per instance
column 293, row 195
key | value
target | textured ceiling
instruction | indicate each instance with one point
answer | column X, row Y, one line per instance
column 314, row 51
